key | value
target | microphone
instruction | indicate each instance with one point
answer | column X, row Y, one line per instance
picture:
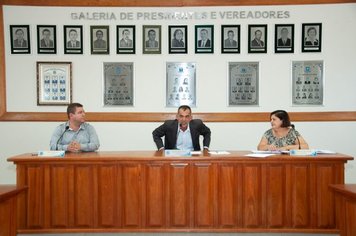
column 67, row 127
column 295, row 133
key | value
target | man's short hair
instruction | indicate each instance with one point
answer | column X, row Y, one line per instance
column 230, row 31
column 184, row 107
column 99, row 31
column 72, row 30
column 46, row 30
column 19, row 30
column 151, row 30
column 204, row 30
column 125, row 31
column 258, row 31
column 284, row 29
column 72, row 108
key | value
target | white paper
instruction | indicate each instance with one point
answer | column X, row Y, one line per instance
column 195, row 152
column 323, row 151
column 260, row 155
column 219, row 152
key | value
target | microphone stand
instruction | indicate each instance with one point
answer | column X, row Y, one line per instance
column 295, row 134
column 67, row 127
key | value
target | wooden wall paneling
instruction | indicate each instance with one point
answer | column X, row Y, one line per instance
column 6, row 211
column 35, row 197
column 350, row 217
column 59, row 195
column 203, row 195
column 107, row 196
column 252, row 196
column 131, row 188
column 325, row 209
column 21, row 181
column 276, row 188
column 300, row 208
column 155, row 196
column 179, row 192
column 83, row 196
column 227, row 196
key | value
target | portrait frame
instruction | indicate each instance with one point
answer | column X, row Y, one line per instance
column 280, row 45
column 118, row 84
column 146, row 49
column 253, row 45
column 96, row 46
column 174, row 46
column 210, row 36
column 180, row 84
column 121, row 48
column 311, row 47
column 16, row 48
column 73, row 47
column 307, row 83
column 226, row 46
column 42, row 46
column 54, row 83
column 243, row 83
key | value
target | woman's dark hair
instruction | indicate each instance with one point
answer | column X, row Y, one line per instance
column 283, row 116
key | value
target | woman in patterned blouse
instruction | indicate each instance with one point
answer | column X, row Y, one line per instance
column 281, row 136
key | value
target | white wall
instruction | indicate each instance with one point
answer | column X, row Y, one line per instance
column 339, row 33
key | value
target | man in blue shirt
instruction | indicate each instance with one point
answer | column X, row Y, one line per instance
column 182, row 133
column 75, row 135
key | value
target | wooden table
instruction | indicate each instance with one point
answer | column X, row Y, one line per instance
column 146, row 191
column 8, row 194
column 345, row 208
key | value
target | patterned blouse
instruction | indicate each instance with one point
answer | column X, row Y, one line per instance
column 289, row 139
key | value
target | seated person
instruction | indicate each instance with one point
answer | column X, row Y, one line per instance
column 281, row 136
column 75, row 135
column 182, row 133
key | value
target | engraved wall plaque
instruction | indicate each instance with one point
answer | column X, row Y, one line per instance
column 243, row 83
column 180, row 84
column 307, row 82
column 118, row 84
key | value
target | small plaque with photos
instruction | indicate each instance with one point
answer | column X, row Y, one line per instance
column 181, row 84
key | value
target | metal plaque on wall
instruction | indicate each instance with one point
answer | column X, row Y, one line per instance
column 180, row 83
column 243, row 83
column 118, row 84
column 307, row 82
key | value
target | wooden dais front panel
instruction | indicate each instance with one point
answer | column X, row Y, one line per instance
column 150, row 192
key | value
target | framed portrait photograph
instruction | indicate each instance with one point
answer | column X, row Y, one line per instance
column 46, row 39
column 178, row 39
column 118, row 84
column 73, row 39
column 311, row 37
column 284, row 38
column 243, row 83
column 307, row 83
column 151, row 39
column 20, row 39
column 54, row 83
column 204, row 39
column 181, row 84
column 99, row 39
column 230, row 39
column 257, row 38
column 125, row 39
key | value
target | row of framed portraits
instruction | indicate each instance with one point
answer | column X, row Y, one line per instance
column 152, row 39
column 54, row 83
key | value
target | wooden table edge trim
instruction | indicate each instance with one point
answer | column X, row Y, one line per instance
column 337, row 188
column 13, row 192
